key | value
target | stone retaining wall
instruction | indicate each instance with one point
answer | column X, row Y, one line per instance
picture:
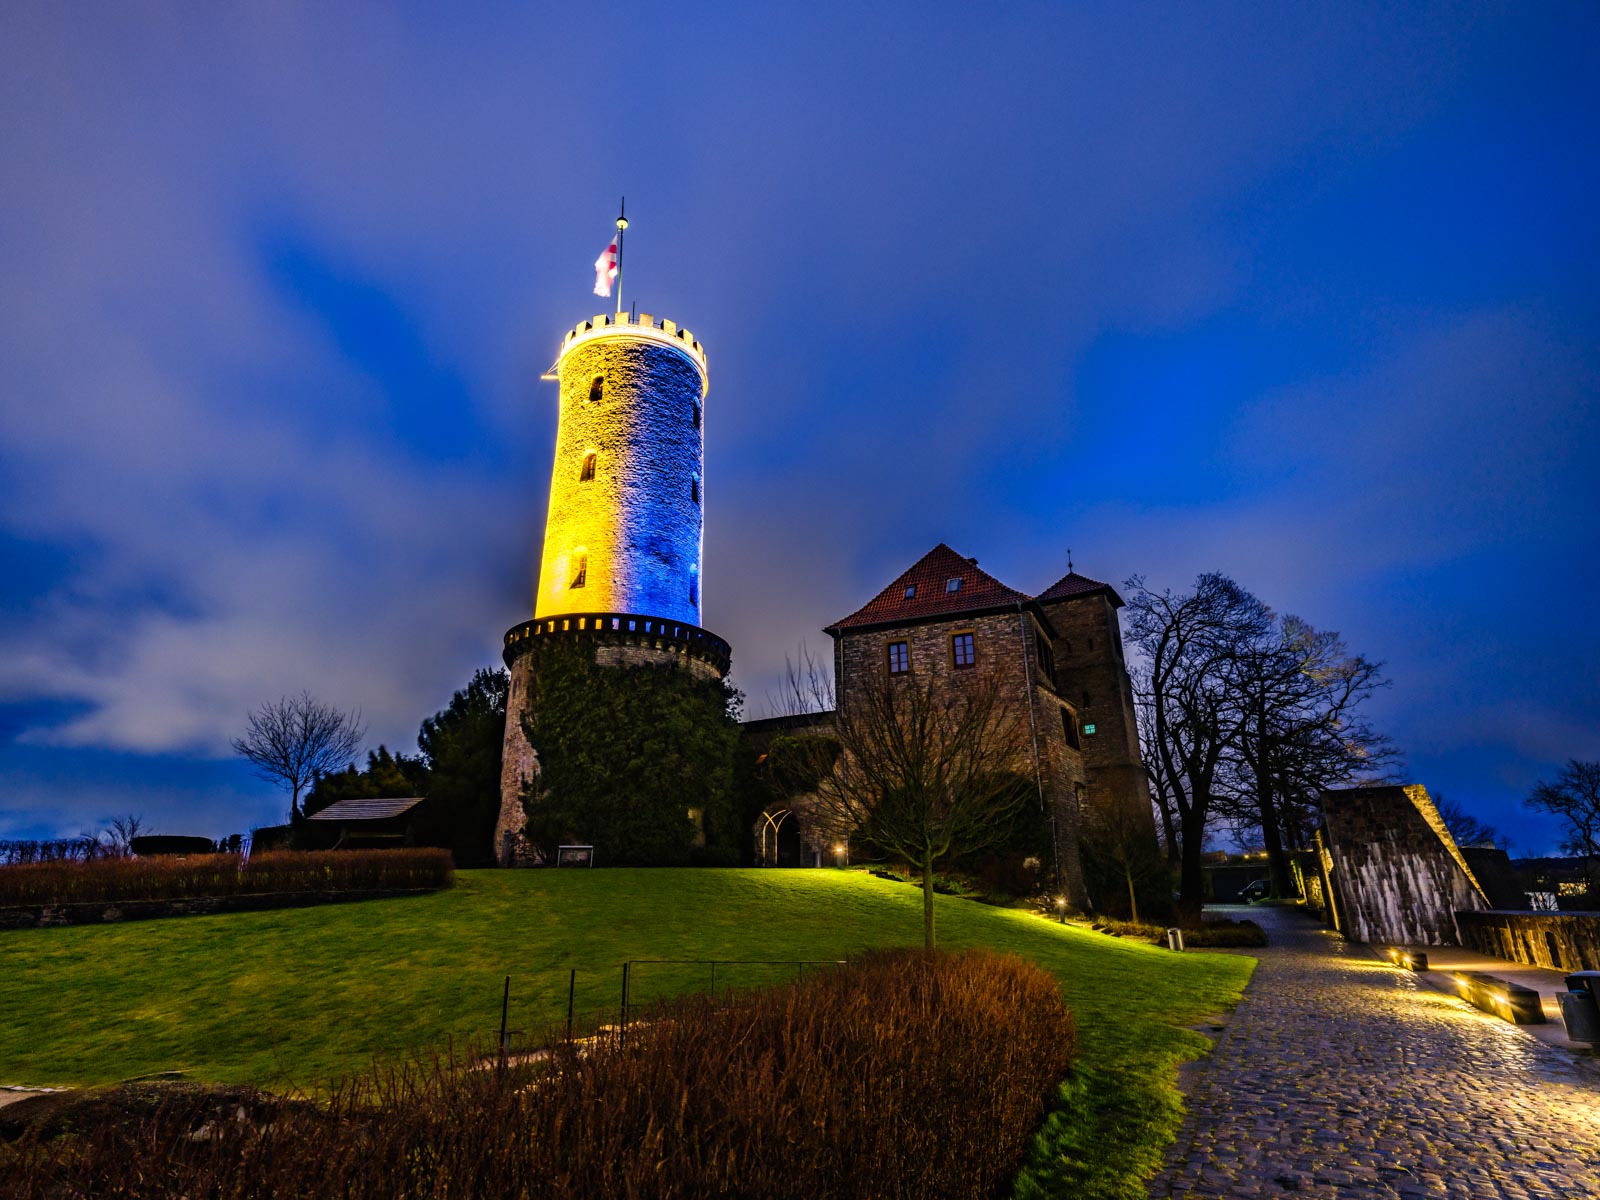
column 100, row 912
column 1565, row 941
column 1397, row 874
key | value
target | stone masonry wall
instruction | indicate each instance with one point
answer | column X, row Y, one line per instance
column 1093, row 677
column 1001, row 642
column 1398, row 874
column 638, row 521
column 1564, row 941
column 519, row 764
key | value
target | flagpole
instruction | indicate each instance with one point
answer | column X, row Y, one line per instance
column 622, row 225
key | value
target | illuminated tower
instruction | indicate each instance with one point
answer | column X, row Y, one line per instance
column 621, row 564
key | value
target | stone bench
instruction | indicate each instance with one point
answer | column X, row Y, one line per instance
column 1506, row 1000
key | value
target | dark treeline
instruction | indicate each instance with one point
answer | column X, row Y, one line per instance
column 14, row 851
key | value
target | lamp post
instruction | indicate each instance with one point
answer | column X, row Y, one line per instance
column 1061, row 909
column 842, row 851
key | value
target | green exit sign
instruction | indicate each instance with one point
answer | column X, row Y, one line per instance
column 1088, row 728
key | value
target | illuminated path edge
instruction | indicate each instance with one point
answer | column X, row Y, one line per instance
column 1341, row 1076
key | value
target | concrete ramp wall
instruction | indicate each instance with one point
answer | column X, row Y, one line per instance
column 1398, row 875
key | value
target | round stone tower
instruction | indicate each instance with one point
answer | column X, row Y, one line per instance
column 621, row 564
column 626, row 492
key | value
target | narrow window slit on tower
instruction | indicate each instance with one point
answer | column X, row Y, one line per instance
column 587, row 473
column 597, row 389
column 694, row 488
column 1069, row 729
column 581, row 575
column 697, row 416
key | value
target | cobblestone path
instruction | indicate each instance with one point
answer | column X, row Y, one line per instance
column 1340, row 1076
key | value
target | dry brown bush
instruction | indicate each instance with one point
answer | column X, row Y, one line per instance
column 900, row 1075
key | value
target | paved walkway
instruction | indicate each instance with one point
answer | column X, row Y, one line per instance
column 1340, row 1076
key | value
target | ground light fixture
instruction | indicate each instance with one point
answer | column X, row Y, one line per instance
column 1410, row 960
column 1061, row 909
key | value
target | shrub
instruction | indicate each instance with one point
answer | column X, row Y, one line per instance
column 1211, row 934
column 118, row 880
column 625, row 755
column 271, row 837
column 902, row 1074
column 713, row 856
column 1226, row 933
column 151, row 844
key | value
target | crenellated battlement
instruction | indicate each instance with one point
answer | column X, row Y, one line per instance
column 620, row 629
column 626, row 325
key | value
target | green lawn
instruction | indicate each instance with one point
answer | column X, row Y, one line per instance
column 304, row 994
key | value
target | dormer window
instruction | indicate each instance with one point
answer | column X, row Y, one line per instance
column 953, row 584
column 586, row 473
column 597, row 389
column 911, row 591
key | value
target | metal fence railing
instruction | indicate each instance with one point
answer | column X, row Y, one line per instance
column 639, row 987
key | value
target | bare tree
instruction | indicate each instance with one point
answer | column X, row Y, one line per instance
column 1463, row 826
column 1119, row 840
column 297, row 738
column 117, row 837
column 1189, row 692
column 1301, row 693
column 1575, row 798
column 920, row 766
column 1155, row 768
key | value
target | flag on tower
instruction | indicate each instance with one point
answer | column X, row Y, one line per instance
column 605, row 269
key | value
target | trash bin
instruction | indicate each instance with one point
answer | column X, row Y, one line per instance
column 1585, row 981
column 1581, row 1015
column 1174, row 938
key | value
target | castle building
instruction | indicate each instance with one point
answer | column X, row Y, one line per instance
column 1057, row 656
column 621, row 565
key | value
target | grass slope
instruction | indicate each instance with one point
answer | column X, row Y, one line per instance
column 305, row 994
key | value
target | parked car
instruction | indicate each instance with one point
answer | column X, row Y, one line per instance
column 1256, row 889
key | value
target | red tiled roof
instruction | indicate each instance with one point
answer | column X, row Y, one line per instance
column 1073, row 584
column 930, row 576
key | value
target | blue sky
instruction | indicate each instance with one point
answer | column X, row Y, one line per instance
column 1302, row 294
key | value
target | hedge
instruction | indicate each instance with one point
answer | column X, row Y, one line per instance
column 113, row 880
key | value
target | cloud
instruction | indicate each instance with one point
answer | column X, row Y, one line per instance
column 279, row 286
